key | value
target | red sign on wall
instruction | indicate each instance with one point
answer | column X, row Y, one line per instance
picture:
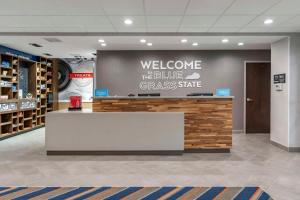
column 81, row 75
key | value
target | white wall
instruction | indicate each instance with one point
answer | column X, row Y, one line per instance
column 280, row 100
column 294, row 94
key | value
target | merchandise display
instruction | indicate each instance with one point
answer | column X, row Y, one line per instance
column 4, row 107
column 20, row 78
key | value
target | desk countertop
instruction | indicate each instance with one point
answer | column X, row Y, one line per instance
column 166, row 97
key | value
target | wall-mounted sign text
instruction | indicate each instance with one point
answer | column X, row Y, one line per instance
column 81, row 75
column 170, row 75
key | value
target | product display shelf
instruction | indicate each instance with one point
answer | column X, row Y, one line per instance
column 49, row 86
column 38, row 94
column 43, row 90
column 6, row 76
column 15, row 119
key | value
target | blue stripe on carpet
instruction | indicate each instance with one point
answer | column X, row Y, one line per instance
column 36, row 193
column 85, row 196
column 246, row 193
column 211, row 193
column 71, row 193
column 12, row 191
column 124, row 193
column 179, row 193
column 158, row 193
column 264, row 196
column 3, row 188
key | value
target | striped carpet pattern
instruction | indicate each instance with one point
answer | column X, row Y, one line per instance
column 133, row 193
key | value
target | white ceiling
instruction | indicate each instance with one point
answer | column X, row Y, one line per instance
column 149, row 15
column 86, row 45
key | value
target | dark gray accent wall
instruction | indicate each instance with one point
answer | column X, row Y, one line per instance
column 120, row 72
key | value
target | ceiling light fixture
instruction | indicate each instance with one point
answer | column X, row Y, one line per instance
column 103, row 44
column 225, row 40
column 149, row 44
column 195, row 44
column 241, row 43
column 184, row 41
column 143, row 41
column 128, row 21
column 268, row 21
column 101, row 41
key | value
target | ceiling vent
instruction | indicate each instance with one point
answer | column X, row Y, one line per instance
column 52, row 40
column 48, row 54
column 35, row 45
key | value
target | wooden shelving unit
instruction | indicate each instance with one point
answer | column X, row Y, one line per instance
column 6, row 75
column 40, row 84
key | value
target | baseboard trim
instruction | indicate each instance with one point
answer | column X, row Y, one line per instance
column 86, row 153
column 237, row 131
column 289, row 149
column 294, row 149
column 20, row 132
column 223, row 150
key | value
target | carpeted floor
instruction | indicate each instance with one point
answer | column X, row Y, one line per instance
column 132, row 193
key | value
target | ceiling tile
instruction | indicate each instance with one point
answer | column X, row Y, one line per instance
column 193, row 29
column 123, row 7
column 255, row 29
column 224, row 29
column 99, row 29
column 286, row 29
column 278, row 19
column 163, row 20
column 124, row 29
column 293, row 21
column 203, row 20
column 165, row 7
column 80, row 20
column 234, row 20
column 162, row 29
column 285, row 7
column 250, row 7
column 207, row 7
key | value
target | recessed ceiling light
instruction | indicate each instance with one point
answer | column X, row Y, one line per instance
column 103, row 44
column 101, row 41
column 128, row 21
column 225, row 40
column 268, row 21
column 241, row 43
column 195, row 44
column 143, row 41
column 149, row 44
column 184, row 41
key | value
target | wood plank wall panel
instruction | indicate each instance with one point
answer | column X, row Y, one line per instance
column 208, row 122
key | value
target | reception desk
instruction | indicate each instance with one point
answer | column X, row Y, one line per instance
column 207, row 120
column 117, row 133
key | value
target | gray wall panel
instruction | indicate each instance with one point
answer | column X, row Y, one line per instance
column 120, row 72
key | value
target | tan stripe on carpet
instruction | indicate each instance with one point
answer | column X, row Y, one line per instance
column 257, row 194
column 170, row 193
column 20, row 193
column 53, row 193
column 193, row 193
column 140, row 193
column 83, row 193
column 107, row 193
column 229, row 193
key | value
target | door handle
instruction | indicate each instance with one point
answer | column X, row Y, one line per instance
column 249, row 99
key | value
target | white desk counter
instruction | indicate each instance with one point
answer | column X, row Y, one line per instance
column 86, row 132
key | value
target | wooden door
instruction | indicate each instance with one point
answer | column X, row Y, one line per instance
column 258, row 84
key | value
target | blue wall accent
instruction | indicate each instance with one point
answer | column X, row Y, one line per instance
column 7, row 50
